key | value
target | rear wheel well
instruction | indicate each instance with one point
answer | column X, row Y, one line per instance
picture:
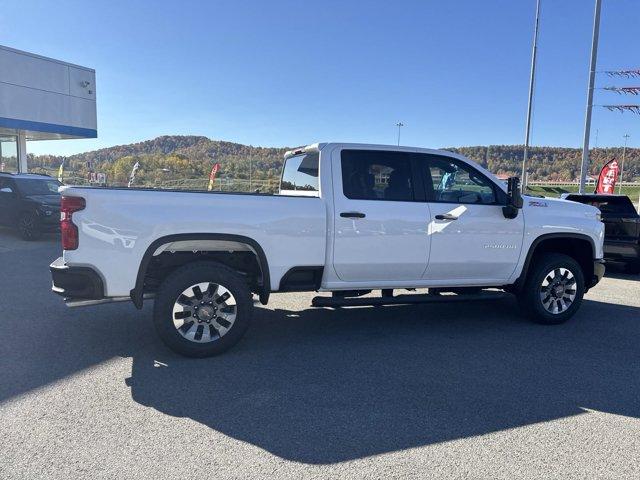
column 578, row 248
column 161, row 266
column 166, row 255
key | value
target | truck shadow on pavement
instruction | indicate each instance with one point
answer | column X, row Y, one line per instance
column 323, row 386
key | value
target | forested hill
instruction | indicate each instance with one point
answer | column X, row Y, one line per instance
column 549, row 163
column 172, row 157
column 193, row 147
column 192, row 156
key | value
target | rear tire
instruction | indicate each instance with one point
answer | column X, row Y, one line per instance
column 202, row 309
column 29, row 227
column 553, row 290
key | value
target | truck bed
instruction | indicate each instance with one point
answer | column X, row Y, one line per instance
column 118, row 225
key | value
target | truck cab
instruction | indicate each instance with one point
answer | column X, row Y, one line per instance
column 404, row 217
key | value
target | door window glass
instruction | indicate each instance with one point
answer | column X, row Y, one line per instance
column 300, row 173
column 37, row 186
column 454, row 182
column 376, row 175
column 5, row 186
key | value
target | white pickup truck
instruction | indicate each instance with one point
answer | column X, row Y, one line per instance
column 348, row 219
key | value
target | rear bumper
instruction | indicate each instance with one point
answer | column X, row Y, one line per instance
column 598, row 273
column 75, row 282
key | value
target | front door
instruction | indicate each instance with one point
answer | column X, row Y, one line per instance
column 8, row 200
column 471, row 240
column 380, row 223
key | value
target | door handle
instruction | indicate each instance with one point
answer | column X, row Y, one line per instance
column 352, row 215
column 446, row 216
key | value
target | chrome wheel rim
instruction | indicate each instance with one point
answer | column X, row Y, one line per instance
column 204, row 312
column 558, row 291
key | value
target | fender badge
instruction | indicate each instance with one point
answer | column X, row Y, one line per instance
column 499, row 246
column 537, row 203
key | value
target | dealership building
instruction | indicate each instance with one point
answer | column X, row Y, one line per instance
column 42, row 99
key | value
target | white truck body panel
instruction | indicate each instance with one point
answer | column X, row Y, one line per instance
column 398, row 244
column 117, row 227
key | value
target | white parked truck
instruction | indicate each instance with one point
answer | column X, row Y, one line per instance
column 348, row 219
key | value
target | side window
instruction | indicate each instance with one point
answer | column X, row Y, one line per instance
column 616, row 207
column 376, row 175
column 455, row 182
column 300, row 174
column 5, row 186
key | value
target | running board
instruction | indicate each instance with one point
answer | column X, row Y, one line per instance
column 405, row 299
column 71, row 303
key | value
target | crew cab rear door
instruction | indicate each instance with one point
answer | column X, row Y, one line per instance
column 471, row 240
column 380, row 217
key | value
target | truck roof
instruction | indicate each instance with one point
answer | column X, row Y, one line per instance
column 26, row 175
column 593, row 195
column 316, row 147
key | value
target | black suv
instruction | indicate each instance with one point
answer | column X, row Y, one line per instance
column 621, row 227
column 30, row 203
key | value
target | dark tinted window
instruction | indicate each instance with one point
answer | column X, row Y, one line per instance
column 6, row 183
column 38, row 186
column 613, row 206
column 455, row 182
column 300, row 173
column 376, row 175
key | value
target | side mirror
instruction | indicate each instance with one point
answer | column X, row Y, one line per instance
column 514, row 198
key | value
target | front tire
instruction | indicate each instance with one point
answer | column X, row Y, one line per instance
column 29, row 227
column 202, row 309
column 553, row 290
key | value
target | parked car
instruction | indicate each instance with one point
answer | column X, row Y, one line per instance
column 621, row 227
column 348, row 219
column 30, row 203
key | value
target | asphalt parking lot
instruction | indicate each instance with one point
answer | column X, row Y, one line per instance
column 450, row 391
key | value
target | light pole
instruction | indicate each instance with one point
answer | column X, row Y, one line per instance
column 584, row 167
column 399, row 125
column 624, row 153
column 534, row 54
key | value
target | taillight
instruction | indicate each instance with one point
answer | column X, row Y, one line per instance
column 68, row 229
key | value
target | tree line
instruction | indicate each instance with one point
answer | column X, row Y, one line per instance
column 170, row 158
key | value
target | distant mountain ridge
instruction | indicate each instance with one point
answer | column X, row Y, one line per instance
column 196, row 147
column 197, row 153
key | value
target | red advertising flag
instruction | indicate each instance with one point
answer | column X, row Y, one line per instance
column 608, row 177
column 212, row 175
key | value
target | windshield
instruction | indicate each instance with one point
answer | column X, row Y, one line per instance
column 38, row 186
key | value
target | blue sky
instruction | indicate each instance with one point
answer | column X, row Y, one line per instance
column 286, row 73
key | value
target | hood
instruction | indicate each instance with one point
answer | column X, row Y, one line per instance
column 50, row 200
column 558, row 204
